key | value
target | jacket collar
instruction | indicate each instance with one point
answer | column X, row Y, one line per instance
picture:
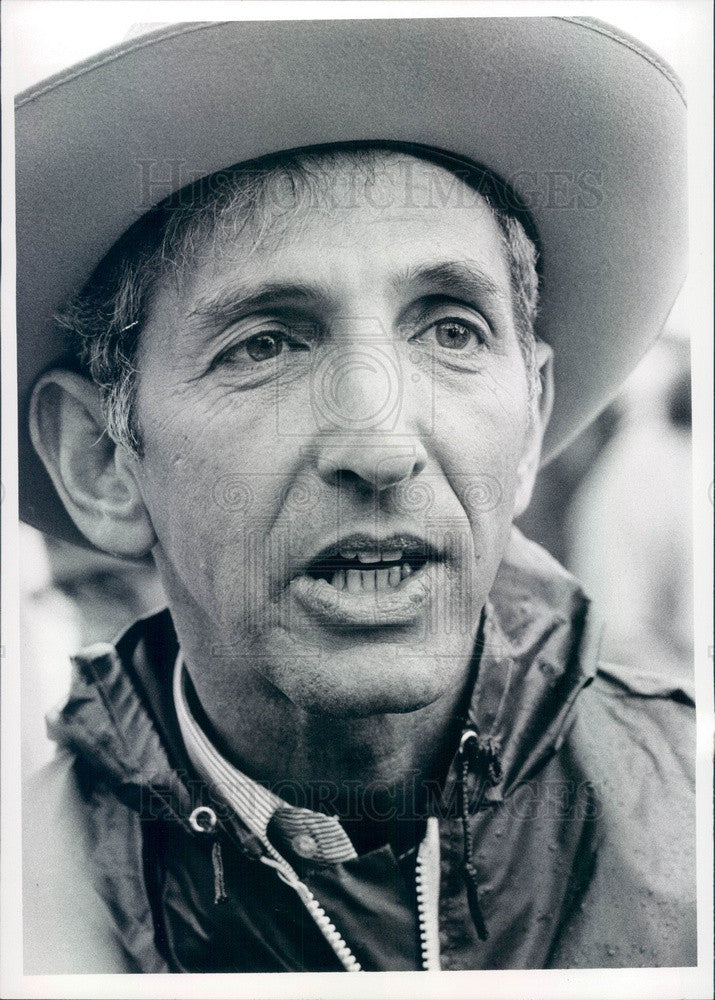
column 539, row 649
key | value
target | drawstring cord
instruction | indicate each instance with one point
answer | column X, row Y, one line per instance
column 203, row 820
column 219, row 884
column 481, row 756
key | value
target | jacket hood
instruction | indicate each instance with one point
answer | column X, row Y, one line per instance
column 537, row 650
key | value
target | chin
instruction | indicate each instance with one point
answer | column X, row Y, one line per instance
column 365, row 685
column 364, row 705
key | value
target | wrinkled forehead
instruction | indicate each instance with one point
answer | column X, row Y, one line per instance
column 259, row 207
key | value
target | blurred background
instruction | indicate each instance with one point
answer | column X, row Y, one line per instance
column 614, row 508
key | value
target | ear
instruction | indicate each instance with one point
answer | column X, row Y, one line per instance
column 529, row 464
column 93, row 476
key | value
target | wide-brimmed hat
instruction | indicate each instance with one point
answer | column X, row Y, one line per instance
column 584, row 123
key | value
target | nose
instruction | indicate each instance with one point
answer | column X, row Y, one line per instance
column 370, row 461
column 363, row 406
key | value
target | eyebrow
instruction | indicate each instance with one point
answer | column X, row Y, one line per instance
column 241, row 299
column 460, row 279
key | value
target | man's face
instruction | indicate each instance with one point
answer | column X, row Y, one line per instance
column 333, row 414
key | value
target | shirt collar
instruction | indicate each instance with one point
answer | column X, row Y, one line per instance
column 311, row 835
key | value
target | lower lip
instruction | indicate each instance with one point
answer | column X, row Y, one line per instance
column 401, row 605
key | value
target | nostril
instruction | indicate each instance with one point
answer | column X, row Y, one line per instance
column 349, row 480
column 364, row 465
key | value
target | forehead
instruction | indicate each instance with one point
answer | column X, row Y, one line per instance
column 377, row 209
column 328, row 186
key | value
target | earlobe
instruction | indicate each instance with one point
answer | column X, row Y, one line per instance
column 93, row 479
column 531, row 458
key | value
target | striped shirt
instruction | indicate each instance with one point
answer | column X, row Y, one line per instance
column 312, row 835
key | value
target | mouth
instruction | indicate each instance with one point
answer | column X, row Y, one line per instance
column 360, row 564
column 367, row 581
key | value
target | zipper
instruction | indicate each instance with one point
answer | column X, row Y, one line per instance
column 427, row 882
column 203, row 820
column 328, row 929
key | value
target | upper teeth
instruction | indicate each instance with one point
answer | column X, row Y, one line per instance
column 372, row 555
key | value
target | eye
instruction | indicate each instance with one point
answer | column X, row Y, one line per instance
column 264, row 346
column 259, row 348
column 456, row 336
column 453, row 335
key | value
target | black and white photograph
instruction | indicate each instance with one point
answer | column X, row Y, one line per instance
column 357, row 499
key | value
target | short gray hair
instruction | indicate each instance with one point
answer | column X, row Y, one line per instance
column 104, row 320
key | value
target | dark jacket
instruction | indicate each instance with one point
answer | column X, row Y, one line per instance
column 582, row 835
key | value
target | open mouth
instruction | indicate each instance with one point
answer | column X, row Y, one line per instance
column 358, row 565
column 365, row 581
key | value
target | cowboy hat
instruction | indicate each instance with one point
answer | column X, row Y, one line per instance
column 584, row 123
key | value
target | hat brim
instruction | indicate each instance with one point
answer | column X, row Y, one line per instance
column 584, row 123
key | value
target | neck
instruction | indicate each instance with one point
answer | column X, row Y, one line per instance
column 371, row 768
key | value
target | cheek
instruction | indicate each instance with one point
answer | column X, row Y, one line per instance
column 481, row 440
column 211, row 499
column 483, row 426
